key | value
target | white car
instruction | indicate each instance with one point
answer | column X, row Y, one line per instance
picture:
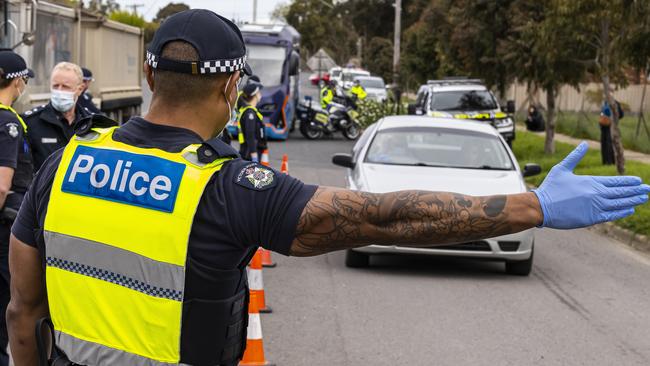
column 374, row 87
column 440, row 154
column 348, row 75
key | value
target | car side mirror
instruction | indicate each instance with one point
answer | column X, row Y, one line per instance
column 531, row 169
column 510, row 107
column 344, row 160
column 294, row 63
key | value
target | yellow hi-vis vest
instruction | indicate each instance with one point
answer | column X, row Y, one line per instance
column 240, row 134
column 116, row 238
column 359, row 91
column 20, row 119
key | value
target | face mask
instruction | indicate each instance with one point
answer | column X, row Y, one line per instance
column 230, row 110
column 20, row 93
column 62, row 101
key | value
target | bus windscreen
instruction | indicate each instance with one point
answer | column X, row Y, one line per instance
column 266, row 62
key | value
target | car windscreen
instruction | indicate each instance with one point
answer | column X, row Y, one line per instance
column 372, row 83
column 336, row 73
column 267, row 63
column 349, row 76
column 438, row 147
column 472, row 100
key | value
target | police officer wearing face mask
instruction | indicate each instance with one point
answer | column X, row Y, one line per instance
column 161, row 278
column 52, row 125
column 15, row 170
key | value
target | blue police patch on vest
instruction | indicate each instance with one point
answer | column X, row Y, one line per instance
column 140, row 180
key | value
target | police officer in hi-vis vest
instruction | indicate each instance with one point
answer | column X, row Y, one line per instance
column 161, row 278
column 16, row 170
column 252, row 135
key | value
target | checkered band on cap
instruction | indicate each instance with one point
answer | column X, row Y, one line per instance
column 17, row 74
column 204, row 67
column 221, row 66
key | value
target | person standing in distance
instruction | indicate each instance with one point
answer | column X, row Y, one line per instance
column 162, row 279
column 52, row 125
column 252, row 136
column 15, row 171
column 85, row 101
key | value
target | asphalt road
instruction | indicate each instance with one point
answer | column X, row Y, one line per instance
column 586, row 303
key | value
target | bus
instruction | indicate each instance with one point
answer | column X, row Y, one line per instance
column 273, row 54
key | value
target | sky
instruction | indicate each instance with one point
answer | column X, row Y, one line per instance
column 231, row 9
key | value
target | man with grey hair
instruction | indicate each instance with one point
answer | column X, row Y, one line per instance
column 52, row 125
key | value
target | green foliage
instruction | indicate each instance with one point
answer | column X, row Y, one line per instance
column 371, row 111
column 127, row 17
column 169, row 10
column 529, row 148
column 380, row 50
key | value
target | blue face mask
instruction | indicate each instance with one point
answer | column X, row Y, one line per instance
column 62, row 101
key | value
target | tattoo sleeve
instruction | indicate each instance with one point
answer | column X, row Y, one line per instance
column 336, row 219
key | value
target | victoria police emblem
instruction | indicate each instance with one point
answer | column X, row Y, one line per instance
column 12, row 130
column 256, row 177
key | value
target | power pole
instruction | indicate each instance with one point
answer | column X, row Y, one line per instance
column 254, row 11
column 135, row 7
column 397, row 93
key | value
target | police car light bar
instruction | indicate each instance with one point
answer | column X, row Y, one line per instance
column 455, row 81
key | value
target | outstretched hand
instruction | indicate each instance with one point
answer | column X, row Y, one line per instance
column 572, row 201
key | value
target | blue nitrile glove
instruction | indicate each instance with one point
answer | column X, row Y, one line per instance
column 572, row 201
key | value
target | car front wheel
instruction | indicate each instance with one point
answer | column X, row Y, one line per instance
column 356, row 260
column 521, row 268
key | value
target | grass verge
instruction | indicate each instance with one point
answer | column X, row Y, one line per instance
column 572, row 124
column 529, row 148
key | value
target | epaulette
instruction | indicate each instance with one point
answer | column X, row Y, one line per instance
column 84, row 125
column 35, row 110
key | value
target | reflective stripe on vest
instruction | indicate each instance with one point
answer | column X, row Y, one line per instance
column 116, row 234
column 20, row 119
column 240, row 135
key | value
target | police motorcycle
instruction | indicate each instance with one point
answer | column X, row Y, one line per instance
column 316, row 122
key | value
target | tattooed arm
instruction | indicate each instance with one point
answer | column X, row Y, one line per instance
column 336, row 219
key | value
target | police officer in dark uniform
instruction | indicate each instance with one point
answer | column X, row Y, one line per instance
column 86, row 99
column 52, row 125
column 15, row 170
column 161, row 278
column 252, row 136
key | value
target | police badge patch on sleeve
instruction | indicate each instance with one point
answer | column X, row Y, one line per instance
column 256, row 177
column 12, row 129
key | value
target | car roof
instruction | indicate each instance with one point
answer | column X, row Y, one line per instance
column 468, row 87
column 436, row 122
column 369, row 78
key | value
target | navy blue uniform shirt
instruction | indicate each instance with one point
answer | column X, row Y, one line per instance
column 232, row 219
column 49, row 130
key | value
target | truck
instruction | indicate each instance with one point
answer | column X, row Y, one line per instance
column 274, row 55
column 45, row 33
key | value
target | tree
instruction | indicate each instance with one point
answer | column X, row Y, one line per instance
column 472, row 37
column 380, row 51
column 420, row 56
column 280, row 12
column 604, row 26
column 169, row 10
column 543, row 52
column 103, row 6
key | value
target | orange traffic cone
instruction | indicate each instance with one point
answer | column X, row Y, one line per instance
column 254, row 353
column 285, row 164
column 264, row 160
column 256, row 283
column 266, row 258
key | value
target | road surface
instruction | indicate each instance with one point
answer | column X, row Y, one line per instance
column 586, row 303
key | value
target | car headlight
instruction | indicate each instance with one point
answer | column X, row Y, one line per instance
column 504, row 122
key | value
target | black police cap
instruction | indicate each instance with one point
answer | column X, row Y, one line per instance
column 252, row 88
column 87, row 74
column 13, row 65
column 218, row 41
